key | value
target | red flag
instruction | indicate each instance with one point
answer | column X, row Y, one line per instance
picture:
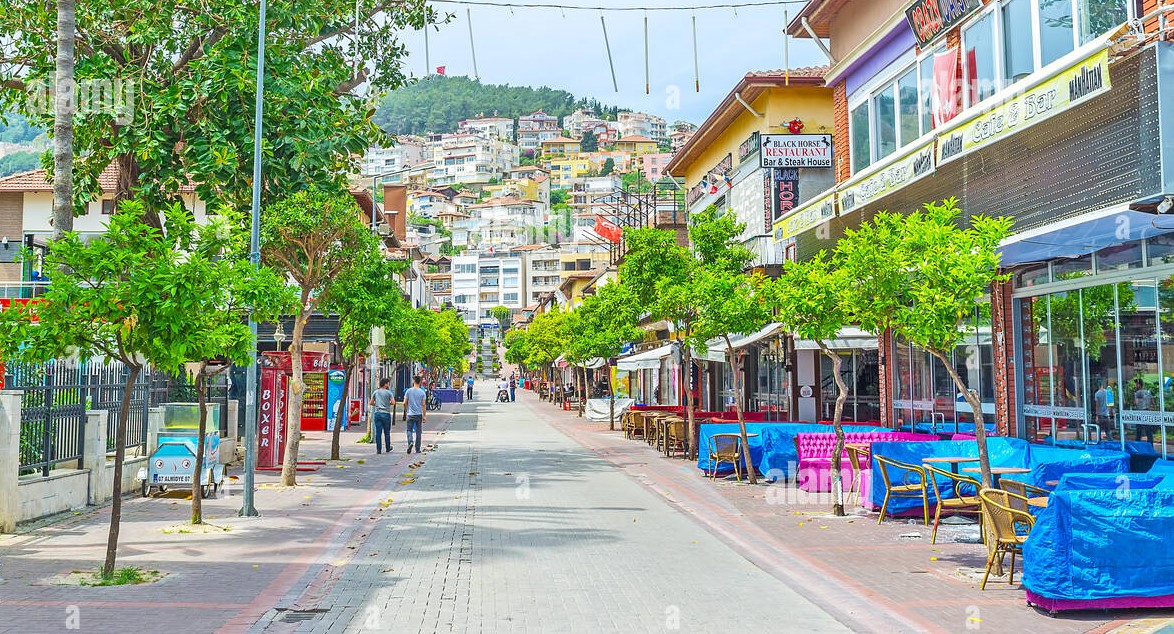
column 607, row 229
column 947, row 88
column 439, row 70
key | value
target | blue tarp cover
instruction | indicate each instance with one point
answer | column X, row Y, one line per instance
column 1163, row 466
column 1051, row 463
column 1100, row 544
column 773, row 450
column 1123, row 482
column 1003, row 452
column 946, row 428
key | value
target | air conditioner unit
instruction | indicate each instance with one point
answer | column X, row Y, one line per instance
column 383, row 229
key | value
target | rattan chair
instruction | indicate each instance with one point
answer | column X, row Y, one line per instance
column 913, row 485
column 1007, row 527
column 725, row 448
column 965, row 502
column 1034, row 496
column 858, row 457
column 675, row 439
column 633, row 424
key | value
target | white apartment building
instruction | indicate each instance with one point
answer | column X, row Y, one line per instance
column 535, row 128
column 482, row 281
column 502, row 223
column 541, row 264
column 430, row 204
column 589, row 193
column 406, row 152
column 470, row 159
column 500, row 128
column 640, row 124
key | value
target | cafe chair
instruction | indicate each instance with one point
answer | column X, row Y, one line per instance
column 728, row 449
column 1035, row 497
column 964, row 502
column 858, row 458
column 633, row 424
column 912, row 485
column 1008, row 528
column 675, row 438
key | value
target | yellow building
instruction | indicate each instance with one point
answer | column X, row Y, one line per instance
column 721, row 163
column 637, row 145
column 560, row 145
column 564, row 169
column 524, row 188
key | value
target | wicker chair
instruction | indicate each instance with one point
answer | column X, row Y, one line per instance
column 913, row 485
column 1007, row 526
column 725, row 448
column 652, row 428
column 1035, row 497
column 675, row 439
column 961, row 504
column 858, row 457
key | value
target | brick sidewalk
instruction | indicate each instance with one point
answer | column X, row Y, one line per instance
column 887, row 576
column 218, row 581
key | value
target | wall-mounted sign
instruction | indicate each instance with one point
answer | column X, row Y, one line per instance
column 1072, row 86
column 709, row 182
column 888, row 178
column 784, row 191
column 929, row 19
column 796, row 150
column 748, row 147
column 806, row 217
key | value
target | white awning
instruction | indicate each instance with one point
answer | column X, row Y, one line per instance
column 595, row 362
column 1081, row 235
column 649, row 360
column 716, row 348
column 849, row 338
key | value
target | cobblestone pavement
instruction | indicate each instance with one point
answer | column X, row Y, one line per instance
column 512, row 527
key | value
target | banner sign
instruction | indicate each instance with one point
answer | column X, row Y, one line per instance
column 608, row 230
column 1048, row 411
column 806, row 217
column 947, row 87
column 784, row 191
column 890, row 177
column 796, row 150
column 1054, row 95
column 929, row 19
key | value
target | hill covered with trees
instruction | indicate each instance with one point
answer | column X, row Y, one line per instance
column 437, row 104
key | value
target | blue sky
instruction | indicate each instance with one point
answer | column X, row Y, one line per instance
column 565, row 49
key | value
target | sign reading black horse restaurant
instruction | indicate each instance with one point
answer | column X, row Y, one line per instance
column 929, row 19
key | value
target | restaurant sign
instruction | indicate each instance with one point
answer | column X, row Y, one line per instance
column 889, row 178
column 796, row 150
column 806, row 217
column 929, row 19
column 1070, row 87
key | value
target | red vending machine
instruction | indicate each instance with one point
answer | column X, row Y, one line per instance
column 276, row 371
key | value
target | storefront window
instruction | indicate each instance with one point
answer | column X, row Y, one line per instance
column 1161, row 249
column 907, row 107
column 886, row 123
column 1055, row 29
column 925, row 69
column 979, row 59
column 1032, row 274
column 1018, row 53
column 1099, row 16
column 1140, row 369
column 861, row 147
column 1119, row 257
column 1072, row 268
column 860, row 372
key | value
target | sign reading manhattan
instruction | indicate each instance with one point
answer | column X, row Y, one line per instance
column 893, row 176
column 929, row 19
column 1054, row 95
column 796, row 150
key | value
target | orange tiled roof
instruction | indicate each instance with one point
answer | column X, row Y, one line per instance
column 39, row 181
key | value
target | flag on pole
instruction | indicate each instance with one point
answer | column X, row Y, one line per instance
column 607, row 229
column 439, row 70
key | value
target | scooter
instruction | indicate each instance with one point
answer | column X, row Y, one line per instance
column 503, row 396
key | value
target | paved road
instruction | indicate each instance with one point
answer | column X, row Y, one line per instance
column 512, row 527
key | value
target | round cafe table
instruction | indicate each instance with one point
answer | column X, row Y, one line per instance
column 953, row 461
column 998, row 472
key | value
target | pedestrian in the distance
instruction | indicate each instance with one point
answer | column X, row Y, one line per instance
column 414, row 412
column 513, row 387
column 469, row 387
column 381, row 401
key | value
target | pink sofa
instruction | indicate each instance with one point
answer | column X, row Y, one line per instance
column 815, row 457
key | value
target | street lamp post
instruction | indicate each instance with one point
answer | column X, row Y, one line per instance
column 247, row 507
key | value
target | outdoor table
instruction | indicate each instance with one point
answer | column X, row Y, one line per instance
column 996, row 472
column 663, row 438
column 953, row 461
column 740, row 447
column 1052, row 483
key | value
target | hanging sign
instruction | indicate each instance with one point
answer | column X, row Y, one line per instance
column 929, row 19
column 784, row 191
column 888, row 177
column 1053, row 95
column 947, row 87
column 796, row 150
column 806, row 217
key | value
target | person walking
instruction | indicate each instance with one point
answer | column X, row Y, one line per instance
column 503, row 386
column 414, row 412
column 381, row 402
column 469, row 387
column 513, row 387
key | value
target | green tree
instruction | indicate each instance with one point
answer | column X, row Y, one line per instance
column 311, row 237
column 558, row 197
column 502, row 314
column 599, row 328
column 922, row 275
column 18, row 162
column 183, row 80
column 608, row 167
column 363, row 295
column 589, row 142
column 546, row 339
column 517, row 350
column 807, row 300
column 124, row 295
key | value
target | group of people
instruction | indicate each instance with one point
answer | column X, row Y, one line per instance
column 508, row 387
column 415, row 414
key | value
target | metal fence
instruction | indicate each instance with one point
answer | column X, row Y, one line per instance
column 57, row 394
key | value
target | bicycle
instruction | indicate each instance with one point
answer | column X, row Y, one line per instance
column 431, row 401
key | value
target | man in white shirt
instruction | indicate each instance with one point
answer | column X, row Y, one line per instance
column 414, row 412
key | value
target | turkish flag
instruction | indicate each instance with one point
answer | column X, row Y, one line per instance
column 607, row 229
column 439, row 70
column 946, row 99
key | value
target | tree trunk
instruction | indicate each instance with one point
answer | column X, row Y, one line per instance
column 341, row 413
column 582, row 391
column 838, row 427
column 690, row 413
column 611, row 388
column 65, row 105
column 984, row 461
column 736, row 365
column 119, row 457
column 297, row 390
column 202, row 400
